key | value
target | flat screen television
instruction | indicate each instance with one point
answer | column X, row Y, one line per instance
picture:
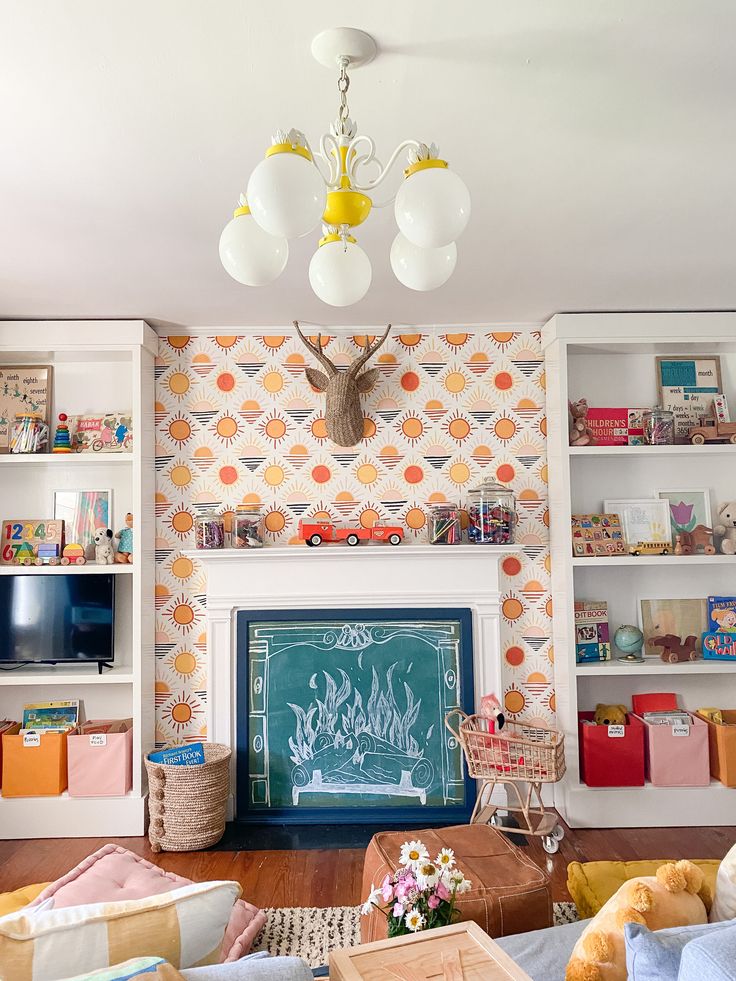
column 54, row 618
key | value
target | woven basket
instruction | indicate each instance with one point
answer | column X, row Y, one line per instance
column 187, row 804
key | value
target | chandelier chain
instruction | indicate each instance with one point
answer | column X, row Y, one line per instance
column 343, row 84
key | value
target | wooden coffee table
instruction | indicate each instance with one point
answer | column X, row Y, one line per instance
column 460, row 952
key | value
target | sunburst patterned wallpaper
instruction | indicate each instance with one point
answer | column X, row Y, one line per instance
column 236, row 421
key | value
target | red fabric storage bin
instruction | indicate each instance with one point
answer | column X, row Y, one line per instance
column 608, row 760
column 673, row 758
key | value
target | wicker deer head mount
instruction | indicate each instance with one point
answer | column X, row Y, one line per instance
column 343, row 415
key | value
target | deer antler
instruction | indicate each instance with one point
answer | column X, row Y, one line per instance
column 317, row 350
column 370, row 350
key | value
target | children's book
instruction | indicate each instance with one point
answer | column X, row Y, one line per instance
column 592, row 642
column 616, row 426
column 719, row 646
column 190, row 755
column 722, row 613
column 51, row 715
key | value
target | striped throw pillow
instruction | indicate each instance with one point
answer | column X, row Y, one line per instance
column 184, row 927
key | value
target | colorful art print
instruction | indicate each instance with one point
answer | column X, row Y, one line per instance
column 21, row 537
column 83, row 512
column 719, row 647
column 687, row 508
column 681, row 617
column 721, row 613
column 597, row 534
column 687, row 387
column 646, row 520
column 23, row 388
column 104, row 432
column 592, row 637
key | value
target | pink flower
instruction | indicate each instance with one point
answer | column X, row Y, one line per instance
column 434, row 901
column 398, row 911
column 387, row 889
column 442, row 891
column 404, row 886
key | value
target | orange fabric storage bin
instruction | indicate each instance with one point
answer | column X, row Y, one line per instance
column 101, row 758
column 722, row 747
column 35, row 768
column 6, row 728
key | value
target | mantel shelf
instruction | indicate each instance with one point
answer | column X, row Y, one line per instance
column 678, row 449
column 346, row 553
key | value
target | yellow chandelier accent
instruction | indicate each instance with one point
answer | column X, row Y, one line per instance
column 346, row 207
column 288, row 148
column 423, row 165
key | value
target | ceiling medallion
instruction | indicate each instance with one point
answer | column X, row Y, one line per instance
column 295, row 188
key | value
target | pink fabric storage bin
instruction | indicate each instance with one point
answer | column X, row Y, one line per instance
column 673, row 759
column 101, row 762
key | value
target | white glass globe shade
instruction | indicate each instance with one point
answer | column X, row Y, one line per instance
column 432, row 207
column 422, row 269
column 250, row 255
column 340, row 273
column 286, row 195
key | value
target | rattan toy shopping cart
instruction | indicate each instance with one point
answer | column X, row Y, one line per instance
column 522, row 758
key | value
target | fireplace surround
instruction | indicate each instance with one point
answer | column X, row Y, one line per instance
column 370, row 577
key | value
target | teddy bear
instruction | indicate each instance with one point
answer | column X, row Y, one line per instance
column 104, row 552
column 727, row 527
column 610, row 715
column 580, row 434
column 676, row 896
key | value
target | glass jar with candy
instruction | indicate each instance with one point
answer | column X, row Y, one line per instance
column 209, row 530
column 491, row 514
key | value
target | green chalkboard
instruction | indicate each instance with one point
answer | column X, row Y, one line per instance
column 341, row 714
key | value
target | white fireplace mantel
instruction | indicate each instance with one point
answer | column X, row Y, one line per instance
column 340, row 577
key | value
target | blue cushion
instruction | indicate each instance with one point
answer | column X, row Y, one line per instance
column 654, row 955
column 712, row 956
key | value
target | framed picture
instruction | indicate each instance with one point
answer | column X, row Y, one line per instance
column 687, row 387
column 23, row 388
column 645, row 520
column 83, row 512
column 688, row 509
column 681, row 617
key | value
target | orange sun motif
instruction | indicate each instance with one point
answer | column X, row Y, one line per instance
column 409, row 341
column 502, row 338
column 183, row 614
column 181, row 429
column 226, row 428
column 181, row 522
column 274, row 427
column 458, row 427
column 411, row 428
column 181, row 712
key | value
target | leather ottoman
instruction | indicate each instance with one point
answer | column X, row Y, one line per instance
column 510, row 894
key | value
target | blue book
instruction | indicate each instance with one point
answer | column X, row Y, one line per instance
column 189, row 755
column 722, row 614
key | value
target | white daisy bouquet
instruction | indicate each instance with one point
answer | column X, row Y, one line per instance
column 421, row 893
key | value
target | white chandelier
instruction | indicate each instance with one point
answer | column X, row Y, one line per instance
column 295, row 188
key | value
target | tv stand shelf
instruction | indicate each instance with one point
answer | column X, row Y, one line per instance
column 97, row 366
column 62, row 674
column 90, row 569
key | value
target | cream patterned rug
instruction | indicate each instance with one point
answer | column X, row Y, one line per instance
column 311, row 933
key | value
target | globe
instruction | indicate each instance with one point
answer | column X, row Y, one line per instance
column 629, row 639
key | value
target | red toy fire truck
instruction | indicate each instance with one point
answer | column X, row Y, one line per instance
column 316, row 532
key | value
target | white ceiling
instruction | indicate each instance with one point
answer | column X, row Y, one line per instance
column 597, row 137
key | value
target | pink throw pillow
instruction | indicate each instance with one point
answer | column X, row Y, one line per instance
column 113, row 873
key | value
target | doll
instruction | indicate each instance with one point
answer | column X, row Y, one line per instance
column 125, row 541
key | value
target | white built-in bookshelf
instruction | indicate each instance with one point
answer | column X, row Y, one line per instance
column 610, row 360
column 97, row 366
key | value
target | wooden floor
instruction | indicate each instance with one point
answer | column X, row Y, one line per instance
column 333, row 877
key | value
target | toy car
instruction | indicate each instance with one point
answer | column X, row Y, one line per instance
column 650, row 548
column 73, row 553
column 316, row 532
column 710, row 430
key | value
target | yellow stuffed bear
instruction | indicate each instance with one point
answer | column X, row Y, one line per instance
column 675, row 896
column 610, row 715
